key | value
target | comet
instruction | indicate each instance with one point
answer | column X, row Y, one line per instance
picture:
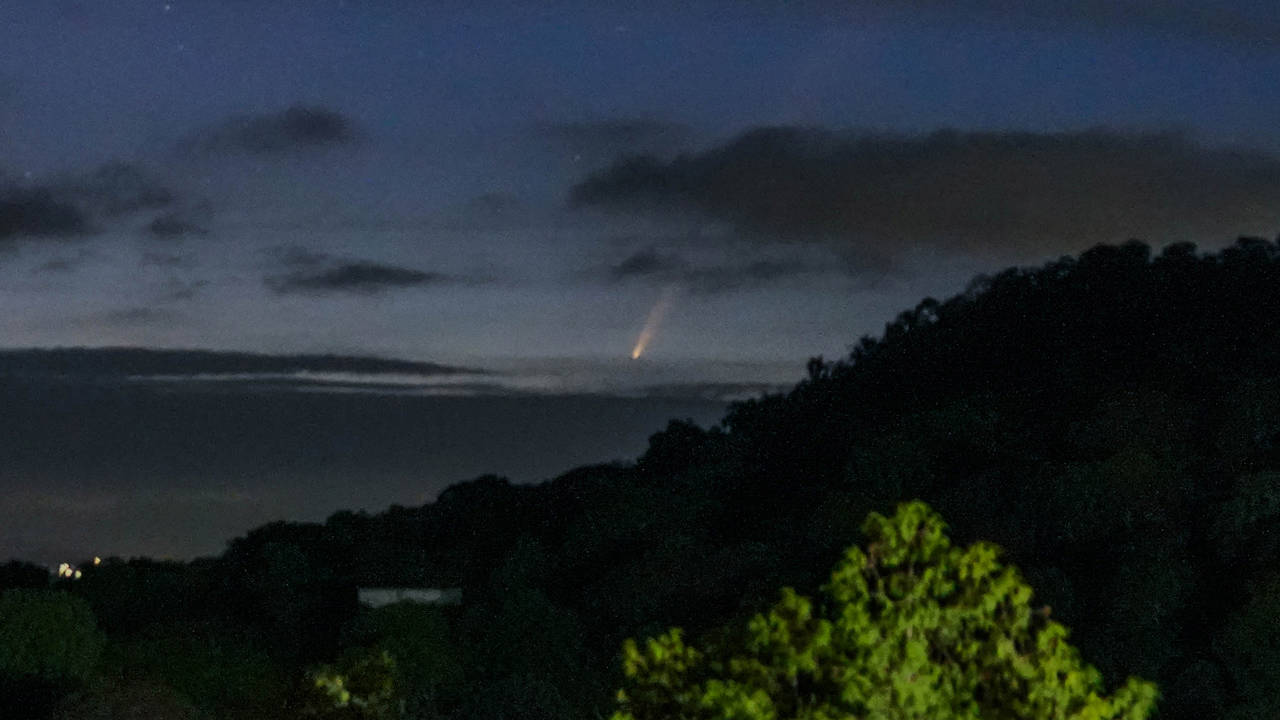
column 652, row 322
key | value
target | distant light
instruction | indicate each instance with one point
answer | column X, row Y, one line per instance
column 97, row 560
column 77, row 575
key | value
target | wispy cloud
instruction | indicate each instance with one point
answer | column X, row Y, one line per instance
column 650, row 265
column 116, row 188
column 182, row 222
column 312, row 272
column 300, row 128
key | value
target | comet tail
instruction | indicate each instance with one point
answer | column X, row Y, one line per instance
column 651, row 323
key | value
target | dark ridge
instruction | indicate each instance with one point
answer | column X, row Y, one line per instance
column 123, row 361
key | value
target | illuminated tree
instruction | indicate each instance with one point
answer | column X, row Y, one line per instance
column 360, row 685
column 914, row 628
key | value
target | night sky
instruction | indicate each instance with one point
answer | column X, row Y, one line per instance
column 521, row 186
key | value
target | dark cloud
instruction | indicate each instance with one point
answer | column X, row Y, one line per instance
column 355, row 277
column 115, row 188
column 875, row 196
column 671, row 269
column 72, row 205
column 35, row 212
column 647, row 263
column 300, row 128
column 310, row 271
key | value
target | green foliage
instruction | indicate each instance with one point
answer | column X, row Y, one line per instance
column 361, row 685
column 914, row 628
column 48, row 635
column 400, row 662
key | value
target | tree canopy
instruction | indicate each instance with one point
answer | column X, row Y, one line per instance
column 914, row 628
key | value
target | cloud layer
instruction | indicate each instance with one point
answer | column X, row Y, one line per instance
column 877, row 195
